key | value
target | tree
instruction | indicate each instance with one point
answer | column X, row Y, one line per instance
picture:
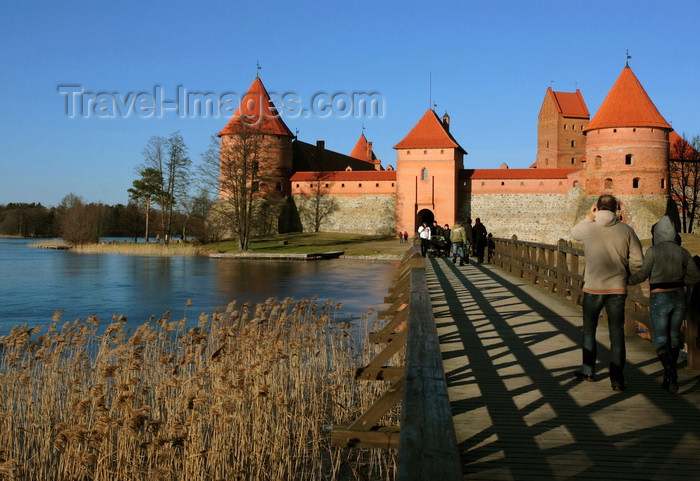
column 80, row 223
column 145, row 189
column 317, row 205
column 170, row 158
column 235, row 168
column 684, row 169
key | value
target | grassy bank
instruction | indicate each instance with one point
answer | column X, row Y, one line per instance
column 292, row 243
column 245, row 395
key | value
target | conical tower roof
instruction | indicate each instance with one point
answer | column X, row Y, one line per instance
column 627, row 105
column 362, row 150
column 257, row 112
column 429, row 133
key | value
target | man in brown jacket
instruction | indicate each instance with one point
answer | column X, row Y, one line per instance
column 613, row 252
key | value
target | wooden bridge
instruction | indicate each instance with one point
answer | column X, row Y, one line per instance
column 501, row 402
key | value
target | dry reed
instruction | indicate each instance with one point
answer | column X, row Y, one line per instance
column 244, row 395
column 139, row 249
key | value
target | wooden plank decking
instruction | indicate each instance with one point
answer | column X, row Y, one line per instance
column 509, row 350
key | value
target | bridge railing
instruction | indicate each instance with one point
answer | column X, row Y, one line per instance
column 426, row 440
column 559, row 269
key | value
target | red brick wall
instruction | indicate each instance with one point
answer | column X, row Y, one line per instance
column 606, row 153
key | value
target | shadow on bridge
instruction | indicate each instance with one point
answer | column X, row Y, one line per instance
column 509, row 350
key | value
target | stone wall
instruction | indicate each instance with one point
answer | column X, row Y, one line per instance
column 366, row 214
column 547, row 218
column 541, row 217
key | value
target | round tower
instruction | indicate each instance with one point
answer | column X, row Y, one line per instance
column 627, row 146
column 257, row 126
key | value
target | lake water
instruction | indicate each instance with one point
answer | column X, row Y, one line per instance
column 34, row 283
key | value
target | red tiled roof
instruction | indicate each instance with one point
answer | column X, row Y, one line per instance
column 627, row 105
column 361, row 150
column 346, row 175
column 570, row 104
column 258, row 112
column 518, row 173
column 428, row 133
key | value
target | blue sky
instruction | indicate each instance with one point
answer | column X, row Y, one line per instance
column 490, row 63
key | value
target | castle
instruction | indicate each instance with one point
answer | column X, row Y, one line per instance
column 623, row 150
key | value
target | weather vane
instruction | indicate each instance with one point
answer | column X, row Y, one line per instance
column 363, row 129
column 257, row 64
column 627, row 53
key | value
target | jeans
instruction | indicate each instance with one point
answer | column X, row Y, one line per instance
column 667, row 311
column 615, row 308
column 458, row 251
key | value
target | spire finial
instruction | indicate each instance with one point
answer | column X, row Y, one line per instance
column 257, row 73
column 627, row 54
column 363, row 128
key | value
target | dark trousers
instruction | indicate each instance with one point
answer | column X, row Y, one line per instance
column 424, row 243
column 614, row 305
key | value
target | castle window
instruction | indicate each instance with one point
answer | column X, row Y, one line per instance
column 359, row 185
column 408, row 152
column 342, row 185
column 573, row 142
column 548, row 144
column 503, row 183
column 598, row 160
column 522, row 184
column 663, row 183
column 425, row 151
column 483, row 184
column 614, row 130
column 297, row 186
column 628, row 159
column 564, row 126
column 424, row 174
column 572, row 161
column 608, row 183
column 576, row 183
column 560, row 182
column 311, row 185
column 327, row 185
column 634, row 130
column 635, row 183
column 377, row 184
column 442, row 151
column 392, row 184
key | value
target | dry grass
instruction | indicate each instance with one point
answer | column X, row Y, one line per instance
column 140, row 249
column 244, row 395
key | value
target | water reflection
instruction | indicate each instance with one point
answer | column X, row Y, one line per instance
column 34, row 283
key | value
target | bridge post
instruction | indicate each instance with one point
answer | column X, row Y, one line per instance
column 692, row 336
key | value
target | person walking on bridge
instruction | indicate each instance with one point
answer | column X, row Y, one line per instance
column 669, row 268
column 424, row 234
column 613, row 252
column 459, row 239
column 480, row 240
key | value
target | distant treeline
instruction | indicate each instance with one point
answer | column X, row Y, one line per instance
column 36, row 220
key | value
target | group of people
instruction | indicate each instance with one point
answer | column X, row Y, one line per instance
column 461, row 240
column 614, row 261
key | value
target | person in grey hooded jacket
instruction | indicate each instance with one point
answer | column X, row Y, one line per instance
column 669, row 268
